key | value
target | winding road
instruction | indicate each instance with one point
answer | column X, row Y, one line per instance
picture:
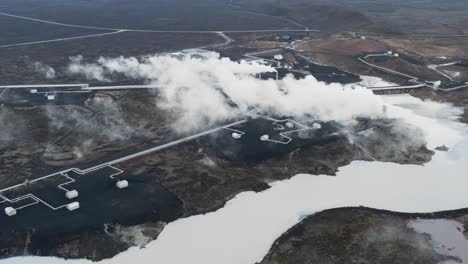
column 62, row 39
column 419, row 84
column 121, row 30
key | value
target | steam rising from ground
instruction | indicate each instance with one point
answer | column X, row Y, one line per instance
column 225, row 236
column 108, row 124
column 90, row 71
column 203, row 89
column 392, row 140
column 81, row 120
column 43, row 69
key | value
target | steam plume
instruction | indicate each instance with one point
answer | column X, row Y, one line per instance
column 203, row 89
column 46, row 70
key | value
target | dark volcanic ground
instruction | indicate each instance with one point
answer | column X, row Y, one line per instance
column 191, row 178
column 80, row 234
column 195, row 177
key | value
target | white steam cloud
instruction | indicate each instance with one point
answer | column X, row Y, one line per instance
column 90, row 71
column 203, row 89
column 46, row 70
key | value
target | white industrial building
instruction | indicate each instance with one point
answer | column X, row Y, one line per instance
column 71, row 194
column 122, row 184
column 278, row 57
column 236, row 135
column 73, row 206
column 10, row 211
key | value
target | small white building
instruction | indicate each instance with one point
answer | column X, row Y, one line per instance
column 264, row 138
column 122, row 184
column 50, row 97
column 33, row 91
column 363, row 37
column 73, row 206
column 10, row 211
column 396, row 55
column 236, row 135
column 278, row 57
column 316, row 126
column 389, row 52
column 436, row 85
column 71, row 194
column 289, row 124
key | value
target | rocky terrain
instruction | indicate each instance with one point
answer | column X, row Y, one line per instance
column 359, row 235
column 366, row 15
column 200, row 176
column 197, row 178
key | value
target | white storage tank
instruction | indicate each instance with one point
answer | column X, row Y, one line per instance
column 264, row 138
column 73, row 206
column 236, row 135
column 71, row 194
column 122, row 184
column 10, row 211
column 278, row 57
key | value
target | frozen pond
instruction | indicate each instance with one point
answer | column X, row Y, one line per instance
column 447, row 237
column 243, row 231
